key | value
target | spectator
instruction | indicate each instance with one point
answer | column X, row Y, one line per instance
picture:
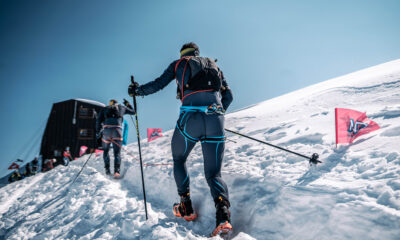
column 35, row 164
column 28, row 170
column 67, row 156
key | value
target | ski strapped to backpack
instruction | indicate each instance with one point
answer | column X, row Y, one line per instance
column 204, row 77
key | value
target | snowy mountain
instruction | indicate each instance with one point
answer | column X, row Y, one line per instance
column 353, row 194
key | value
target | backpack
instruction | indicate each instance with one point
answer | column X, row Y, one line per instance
column 113, row 111
column 205, row 75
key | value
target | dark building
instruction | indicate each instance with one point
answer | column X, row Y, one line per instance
column 71, row 123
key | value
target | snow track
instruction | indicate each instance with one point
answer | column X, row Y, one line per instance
column 353, row 194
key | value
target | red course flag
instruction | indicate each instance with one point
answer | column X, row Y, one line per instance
column 82, row 150
column 153, row 133
column 351, row 124
column 98, row 152
column 13, row 166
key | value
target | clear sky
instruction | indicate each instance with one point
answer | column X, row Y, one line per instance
column 52, row 51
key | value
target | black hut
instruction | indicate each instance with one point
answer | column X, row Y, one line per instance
column 71, row 123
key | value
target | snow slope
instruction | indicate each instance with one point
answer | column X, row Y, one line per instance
column 353, row 194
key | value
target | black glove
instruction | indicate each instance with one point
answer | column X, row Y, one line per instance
column 133, row 89
column 127, row 104
column 98, row 135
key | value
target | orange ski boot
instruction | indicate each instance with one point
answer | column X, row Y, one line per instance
column 223, row 229
column 117, row 175
column 184, row 209
column 223, row 215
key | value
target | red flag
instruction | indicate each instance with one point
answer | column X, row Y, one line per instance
column 13, row 166
column 98, row 152
column 153, row 133
column 82, row 150
column 351, row 124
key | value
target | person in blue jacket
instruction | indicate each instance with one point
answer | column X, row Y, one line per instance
column 109, row 129
column 201, row 119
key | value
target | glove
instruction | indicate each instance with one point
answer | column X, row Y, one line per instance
column 133, row 89
column 98, row 135
column 127, row 104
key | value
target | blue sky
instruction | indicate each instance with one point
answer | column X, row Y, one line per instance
column 51, row 51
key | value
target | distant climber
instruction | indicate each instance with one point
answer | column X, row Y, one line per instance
column 109, row 129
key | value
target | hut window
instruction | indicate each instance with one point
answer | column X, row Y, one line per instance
column 86, row 113
column 57, row 153
column 85, row 133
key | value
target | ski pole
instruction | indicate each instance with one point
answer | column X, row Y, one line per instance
column 140, row 151
column 87, row 160
column 313, row 159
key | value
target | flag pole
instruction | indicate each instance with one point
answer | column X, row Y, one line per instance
column 336, row 127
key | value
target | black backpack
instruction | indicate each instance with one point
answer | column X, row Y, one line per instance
column 113, row 111
column 205, row 75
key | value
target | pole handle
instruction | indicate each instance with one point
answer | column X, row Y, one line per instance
column 135, row 84
column 134, row 96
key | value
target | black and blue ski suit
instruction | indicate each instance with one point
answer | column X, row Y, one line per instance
column 112, row 133
column 194, row 125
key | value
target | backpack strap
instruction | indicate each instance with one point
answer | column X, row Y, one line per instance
column 187, row 58
column 207, row 90
column 180, row 60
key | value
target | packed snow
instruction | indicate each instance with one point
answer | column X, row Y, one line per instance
column 353, row 194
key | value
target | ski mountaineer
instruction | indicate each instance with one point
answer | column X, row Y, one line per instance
column 109, row 129
column 205, row 97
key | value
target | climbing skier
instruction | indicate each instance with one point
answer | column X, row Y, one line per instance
column 205, row 97
column 109, row 128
